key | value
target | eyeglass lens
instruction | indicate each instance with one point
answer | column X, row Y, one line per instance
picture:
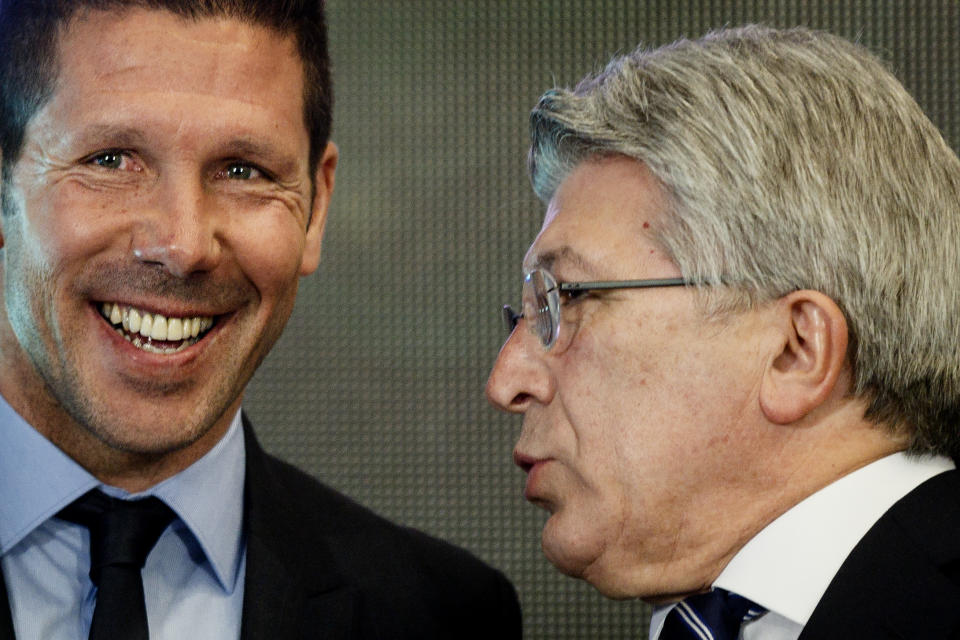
column 541, row 304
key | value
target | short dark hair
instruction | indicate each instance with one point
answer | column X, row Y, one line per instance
column 30, row 29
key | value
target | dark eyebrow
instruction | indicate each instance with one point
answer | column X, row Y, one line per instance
column 245, row 147
column 112, row 134
column 566, row 253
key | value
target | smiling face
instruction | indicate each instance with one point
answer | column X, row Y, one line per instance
column 635, row 432
column 161, row 218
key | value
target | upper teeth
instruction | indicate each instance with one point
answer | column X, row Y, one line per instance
column 154, row 325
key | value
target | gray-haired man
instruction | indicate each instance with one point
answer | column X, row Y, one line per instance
column 738, row 355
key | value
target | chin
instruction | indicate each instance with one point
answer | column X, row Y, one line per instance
column 145, row 442
column 570, row 551
column 583, row 553
column 142, row 429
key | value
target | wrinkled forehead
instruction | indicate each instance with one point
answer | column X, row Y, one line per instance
column 157, row 50
column 601, row 220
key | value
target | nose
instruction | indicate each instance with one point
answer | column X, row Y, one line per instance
column 520, row 375
column 181, row 229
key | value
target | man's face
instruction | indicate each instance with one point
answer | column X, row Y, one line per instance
column 168, row 178
column 633, row 435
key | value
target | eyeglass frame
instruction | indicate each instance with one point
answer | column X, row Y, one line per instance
column 511, row 318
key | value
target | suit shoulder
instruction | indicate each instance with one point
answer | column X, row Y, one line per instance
column 398, row 569
column 322, row 510
column 903, row 578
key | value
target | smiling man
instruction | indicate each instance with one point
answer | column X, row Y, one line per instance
column 737, row 358
column 166, row 179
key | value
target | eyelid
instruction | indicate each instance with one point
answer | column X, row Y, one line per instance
column 232, row 162
column 105, row 152
column 127, row 155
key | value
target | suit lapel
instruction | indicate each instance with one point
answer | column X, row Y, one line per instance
column 279, row 606
column 292, row 588
column 6, row 618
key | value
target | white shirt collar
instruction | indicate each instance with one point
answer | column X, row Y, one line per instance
column 787, row 566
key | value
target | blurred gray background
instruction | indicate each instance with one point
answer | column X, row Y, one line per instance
column 377, row 385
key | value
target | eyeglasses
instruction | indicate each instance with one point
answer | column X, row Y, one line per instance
column 541, row 300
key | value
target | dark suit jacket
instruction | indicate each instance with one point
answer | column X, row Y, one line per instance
column 321, row 566
column 902, row 580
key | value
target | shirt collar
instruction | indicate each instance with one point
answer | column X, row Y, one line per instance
column 207, row 496
column 788, row 566
column 36, row 479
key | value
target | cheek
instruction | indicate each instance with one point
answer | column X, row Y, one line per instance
column 268, row 247
column 65, row 223
column 634, row 429
column 607, row 393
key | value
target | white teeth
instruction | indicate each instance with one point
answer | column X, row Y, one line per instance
column 146, row 345
column 159, row 329
column 154, row 327
column 175, row 329
column 146, row 324
column 134, row 321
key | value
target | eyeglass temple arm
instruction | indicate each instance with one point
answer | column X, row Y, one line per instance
column 625, row 284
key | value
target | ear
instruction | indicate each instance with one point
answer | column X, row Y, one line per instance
column 804, row 374
column 323, row 190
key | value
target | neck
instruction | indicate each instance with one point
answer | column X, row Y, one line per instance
column 131, row 470
column 781, row 467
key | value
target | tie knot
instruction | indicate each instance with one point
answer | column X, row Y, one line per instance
column 714, row 615
column 122, row 532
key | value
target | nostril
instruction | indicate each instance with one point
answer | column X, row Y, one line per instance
column 520, row 400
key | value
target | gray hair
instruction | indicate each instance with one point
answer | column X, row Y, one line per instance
column 792, row 159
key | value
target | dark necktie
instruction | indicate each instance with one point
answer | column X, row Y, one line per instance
column 715, row 615
column 122, row 533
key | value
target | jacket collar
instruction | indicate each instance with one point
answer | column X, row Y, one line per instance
column 292, row 580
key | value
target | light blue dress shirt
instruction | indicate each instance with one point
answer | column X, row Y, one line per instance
column 193, row 579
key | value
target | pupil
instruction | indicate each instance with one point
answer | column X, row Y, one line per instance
column 110, row 160
column 239, row 171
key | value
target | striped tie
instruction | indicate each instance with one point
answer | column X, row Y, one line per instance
column 715, row 615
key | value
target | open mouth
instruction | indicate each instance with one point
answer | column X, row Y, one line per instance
column 154, row 332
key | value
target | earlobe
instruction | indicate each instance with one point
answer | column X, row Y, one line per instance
column 805, row 372
column 323, row 181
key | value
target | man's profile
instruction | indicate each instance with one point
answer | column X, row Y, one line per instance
column 166, row 178
column 737, row 356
